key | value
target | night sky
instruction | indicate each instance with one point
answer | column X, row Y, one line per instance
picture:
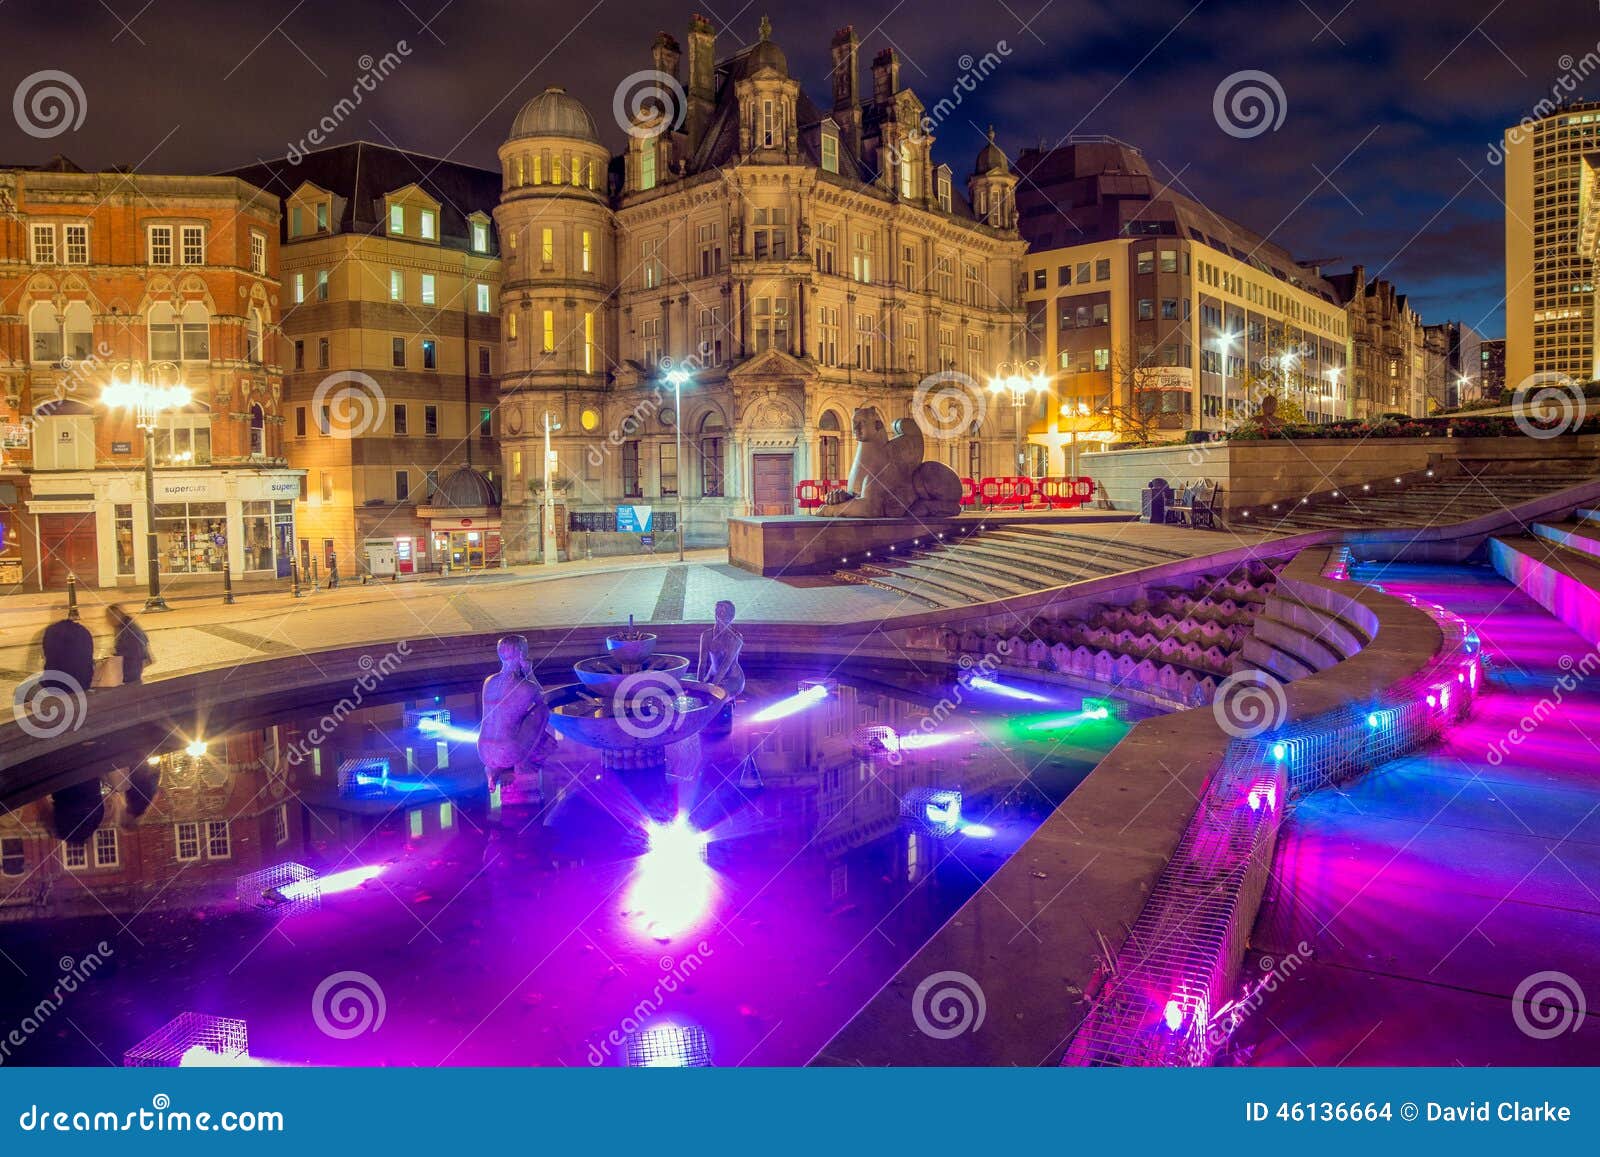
column 1380, row 157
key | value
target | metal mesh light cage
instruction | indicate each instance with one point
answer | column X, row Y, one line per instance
column 223, row 1037
column 286, row 889
column 669, row 1047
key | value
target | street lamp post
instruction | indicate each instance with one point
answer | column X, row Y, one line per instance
column 678, row 377
column 547, row 517
column 1022, row 380
column 148, row 402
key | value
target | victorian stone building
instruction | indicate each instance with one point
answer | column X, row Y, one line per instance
column 1388, row 348
column 170, row 280
column 793, row 261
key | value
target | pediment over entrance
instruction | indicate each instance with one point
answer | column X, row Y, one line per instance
column 772, row 364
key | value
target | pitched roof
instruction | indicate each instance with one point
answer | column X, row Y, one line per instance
column 360, row 174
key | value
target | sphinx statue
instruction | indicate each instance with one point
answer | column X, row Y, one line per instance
column 889, row 479
column 718, row 664
column 514, row 736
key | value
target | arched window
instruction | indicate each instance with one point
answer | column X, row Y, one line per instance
column 79, row 331
column 45, row 330
column 830, row 446
column 196, row 332
column 258, row 431
column 252, row 337
column 163, row 340
column 710, row 438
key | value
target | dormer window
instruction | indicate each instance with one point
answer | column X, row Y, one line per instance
column 397, row 220
column 480, row 237
column 908, row 182
column 647, row 166
column 830, row 151
column 944, row 191
column 427, row 221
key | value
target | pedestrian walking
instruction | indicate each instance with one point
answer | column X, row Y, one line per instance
column 130, row 642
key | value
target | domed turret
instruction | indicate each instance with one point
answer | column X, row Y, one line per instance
column 554, row 114
column 991, row 158
column 766, row 54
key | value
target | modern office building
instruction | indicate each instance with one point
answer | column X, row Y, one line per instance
column 1147, row 305
column 1455, row 373
column 1552, row 165
column 1492, row 366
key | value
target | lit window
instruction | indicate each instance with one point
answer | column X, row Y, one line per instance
column 322, row 285
column 830, row 152
column 588, row 252
column 547, row 246
column 299, row 288
column 397, row 285
column 427, row 289
column 425, row 222
column 647, row 166
column 483, row 298
column 588, row 343
column 480, row 237
column 549, row 345
column 397, row 218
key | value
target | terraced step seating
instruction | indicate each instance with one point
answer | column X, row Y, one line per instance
column 1433, row 498
column 1174, row 648
column 1003, row 561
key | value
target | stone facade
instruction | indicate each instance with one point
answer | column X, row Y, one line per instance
column 793, row 262
column 1388, row 350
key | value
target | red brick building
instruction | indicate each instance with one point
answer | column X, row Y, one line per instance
column 173, row 278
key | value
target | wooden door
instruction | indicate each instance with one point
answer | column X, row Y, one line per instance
column 772, row 484
column 66, row 544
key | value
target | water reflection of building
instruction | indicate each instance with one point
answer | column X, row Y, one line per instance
column 211, row 819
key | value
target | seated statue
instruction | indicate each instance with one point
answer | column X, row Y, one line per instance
column 889, row 479
column 719, row 658
column 515, row 735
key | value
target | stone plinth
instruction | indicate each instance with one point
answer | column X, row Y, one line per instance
column 801, row 544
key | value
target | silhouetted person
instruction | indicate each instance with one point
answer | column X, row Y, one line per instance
column 131, row 643
column 77, row 812
column 333, row 571
column 68, row 655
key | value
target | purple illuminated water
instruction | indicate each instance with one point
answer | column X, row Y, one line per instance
column 1407, row 910
column 760, row 889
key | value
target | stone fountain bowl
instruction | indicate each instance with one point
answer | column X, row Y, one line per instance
column 658, row 719
column 630, row 650
column 603, row 674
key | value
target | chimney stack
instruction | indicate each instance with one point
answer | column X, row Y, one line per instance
column 702, row 77
column 846, row 94
column 885, row 75
column 666, row 54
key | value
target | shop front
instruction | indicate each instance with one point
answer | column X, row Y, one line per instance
column 92, row 523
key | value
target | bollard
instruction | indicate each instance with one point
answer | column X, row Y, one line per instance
column 72, row 597
column 294, row 572
column 315, row 586
column 227, row 580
